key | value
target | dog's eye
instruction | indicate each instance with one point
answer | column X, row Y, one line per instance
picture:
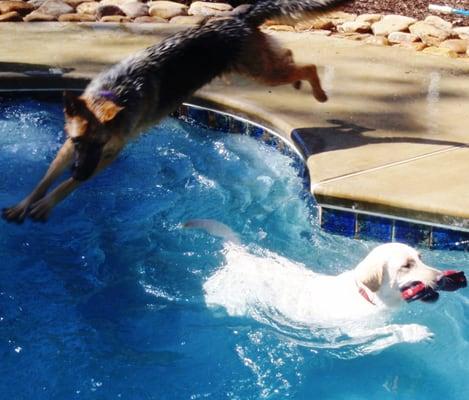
column 407, row 266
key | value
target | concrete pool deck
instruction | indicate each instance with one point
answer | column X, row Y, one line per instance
column 393, row 138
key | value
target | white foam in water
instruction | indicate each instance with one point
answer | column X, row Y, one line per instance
column 276, row 291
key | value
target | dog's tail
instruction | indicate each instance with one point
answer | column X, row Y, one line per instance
column 215, row 228
column 288, row 10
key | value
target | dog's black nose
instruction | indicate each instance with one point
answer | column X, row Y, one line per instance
column 87, row 157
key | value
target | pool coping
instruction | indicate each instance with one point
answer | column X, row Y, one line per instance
column 341, row 215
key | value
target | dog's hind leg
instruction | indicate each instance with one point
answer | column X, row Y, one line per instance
column 62, row 160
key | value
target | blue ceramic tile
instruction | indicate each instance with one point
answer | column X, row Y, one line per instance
column 238, row 126
column 255, row 131
column 374, row 228
column 447, row 239
column 222, row 122
column 411, row 233
column 298, row 140
column 198, row 115
column 339, row 222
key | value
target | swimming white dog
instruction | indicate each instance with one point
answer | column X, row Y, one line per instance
column 271, row 285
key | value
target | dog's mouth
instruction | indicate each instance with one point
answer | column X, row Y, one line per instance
column 448, row 281
column 86, row 159
column 418, row 291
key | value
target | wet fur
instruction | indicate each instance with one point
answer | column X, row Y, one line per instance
column 136, row 93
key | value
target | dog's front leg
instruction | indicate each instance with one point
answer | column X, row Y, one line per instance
column 41, row 209
column 62, row 161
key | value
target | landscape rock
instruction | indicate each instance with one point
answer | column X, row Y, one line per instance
column 429, row 34
column 322, row 32
column 320, row 23
column 134, row 9
column 11, row 16
column 459, row 46
column 167, row 9
column 378, row 40
column 89, row 7
column 75, row 17
column 339, row 17
column 440, row 51
column 439, row 23
column 392, row 23
column 354, row 27
column 209, row 9
column 150, row 20
column 281, row 28
column 115, row 18
column 370, row 18
column 417, row 46
column 74, row 3
column 108, row 10
column 36, row 3
column 20, row 7
column 402, row 37
column 37, row 16
column 116, row 3
column 188, row 20
column 55, row 8
column 462, row 32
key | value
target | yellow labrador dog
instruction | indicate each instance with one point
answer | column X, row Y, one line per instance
column 267, row 285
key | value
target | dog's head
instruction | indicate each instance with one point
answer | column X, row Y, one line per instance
column 88, row 124
column 390, row 267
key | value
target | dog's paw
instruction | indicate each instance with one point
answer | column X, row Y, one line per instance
column 413, row 333
column 320, row 95
column 16, row 213
column 41, row 209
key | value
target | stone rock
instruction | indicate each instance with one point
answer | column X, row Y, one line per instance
column 37, row 16
column 417, row 46
column 150, row 20
column 36, row 3
column 377, row 40
column 429, row 34
column 108, row 10
column 55, row 8
column 370, row 18
column 115, row 18
column 320, row 23
column 241, row 9
column 339, row 17
column 462, row 32
column 89, row 7
column 281, row 28
column 402, row 37
column 167, row 9
column 77, row 18
column 439, row 23
column 74, row 3
column 321, row 32
column 188, row 19
column 354, row 36
column 209, row 9
column 354, row 27
column 134, row 9
column 459, row 46
column 440, row 51
column 11, row 16
column 392, row 23
column 20, row 7
column 117, row 3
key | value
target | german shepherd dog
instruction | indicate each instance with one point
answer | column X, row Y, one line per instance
column 137, row 92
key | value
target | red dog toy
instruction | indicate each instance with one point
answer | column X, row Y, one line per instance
column 449, row 281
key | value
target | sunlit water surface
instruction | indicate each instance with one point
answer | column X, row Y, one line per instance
column 107, row 301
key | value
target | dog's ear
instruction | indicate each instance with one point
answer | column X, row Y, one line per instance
column 73, row 104
column 373, row 278
column 106, row 110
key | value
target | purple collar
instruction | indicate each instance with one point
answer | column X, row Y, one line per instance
column 108, row 95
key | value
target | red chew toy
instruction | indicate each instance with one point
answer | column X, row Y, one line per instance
column 449, row 281
column 452, row 280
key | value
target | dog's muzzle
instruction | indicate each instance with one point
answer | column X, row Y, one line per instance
column 448, row 281
column 86, row 158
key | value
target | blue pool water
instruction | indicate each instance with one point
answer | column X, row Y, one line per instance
column 106, row 300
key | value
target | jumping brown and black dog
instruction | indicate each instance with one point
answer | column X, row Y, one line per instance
column 140, row 90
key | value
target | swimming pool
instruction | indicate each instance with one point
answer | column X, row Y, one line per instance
column 106, row 300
